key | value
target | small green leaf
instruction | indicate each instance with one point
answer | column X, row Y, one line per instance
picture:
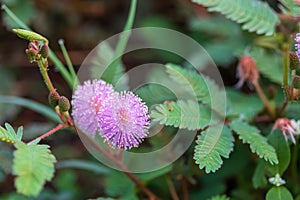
column 33, row 165
column 9, row 135
column 279, row 193
column 182, row 114
column 29, row 35
column 212, row 144
column 277, row 140
column 258, row 143
column 259, row 179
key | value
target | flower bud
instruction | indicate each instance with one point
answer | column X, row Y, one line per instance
column 29, row 35
column 44, row 51
column 64, row 104
column 53, row 99
column 296, row 82
column 247, row 71
column 294, row 61
column 31, row 54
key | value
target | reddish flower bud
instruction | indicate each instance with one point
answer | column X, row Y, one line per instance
column 296, row 82
column 64, row 104
column 44, row 51
column 31, row 54
column 247, row 71
column 35, row 45
column 294, row 61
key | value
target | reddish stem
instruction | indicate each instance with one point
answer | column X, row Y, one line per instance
column 52, row 131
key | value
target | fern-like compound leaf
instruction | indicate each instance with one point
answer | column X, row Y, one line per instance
column 9, row 135
column 33, row 165
column 213, row 144
column 204, row 89
column 290, row 7
column 182, row 114
column 256, row 16
column 258, row 143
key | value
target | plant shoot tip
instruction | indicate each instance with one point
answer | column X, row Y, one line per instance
column 61, row 41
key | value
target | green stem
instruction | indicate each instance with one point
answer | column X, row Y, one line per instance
column 109, row 74
column 67, row 58
column 52, row 56
column 126, row 31
column 286, row 67
column 14, row 17
column 42, row 63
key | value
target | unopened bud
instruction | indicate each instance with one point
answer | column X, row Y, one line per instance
column 35, row 45
column 31, row 54
column 247, row 71
column 29, row 35
column 294, row 61
column 53, row 99
column 44, row 51
column 64, row 104
column 296, row 82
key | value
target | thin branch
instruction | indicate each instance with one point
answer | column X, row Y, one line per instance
column 264, row 99
column 52, row 131
column 185, row 191
column 172, row 188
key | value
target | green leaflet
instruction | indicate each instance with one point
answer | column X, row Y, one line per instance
column 255, row 15
column 198, row 86
column 279, row 193
column 154, row 94
column 9, row 135
column 33, row 165
column 182, row 114
column 290, row 7
column 212, row 144
column 258, row 143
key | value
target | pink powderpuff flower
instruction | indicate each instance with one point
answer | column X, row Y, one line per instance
column 297, row 46
column 89, row 101
column 289, row 128
column 125, row 121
